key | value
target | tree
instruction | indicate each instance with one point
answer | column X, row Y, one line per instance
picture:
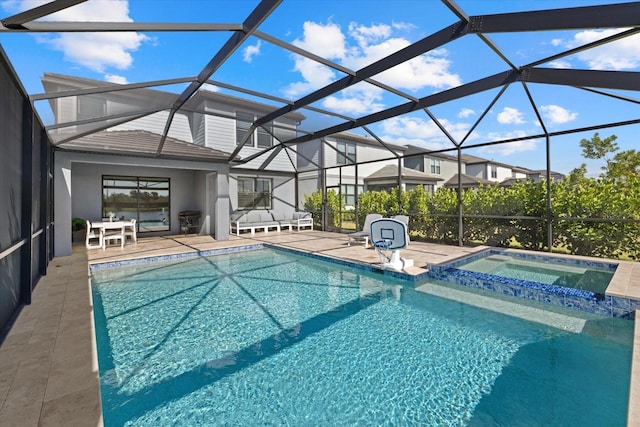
column 624, row 165
column 596, row 148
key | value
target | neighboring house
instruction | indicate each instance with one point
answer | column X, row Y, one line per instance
column 535, row 176
column 440, row 165
column 386, row 179
column 466, row 181
column 338, row 153
column 490, row 170
column 124, row 167
column 475, row 170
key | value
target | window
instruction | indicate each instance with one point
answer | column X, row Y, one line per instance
column 494, row 171
column 143, row 199
column 435, row 166
column 254, row 193
column 265, row 140
column 243, row 123
column 428, row 188
column 349, row 193
column 91, row 107
column 346, row 153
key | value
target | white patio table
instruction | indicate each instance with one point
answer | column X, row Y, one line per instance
column 103, row 226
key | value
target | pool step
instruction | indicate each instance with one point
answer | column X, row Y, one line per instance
column 526, row 312
column 560, row 267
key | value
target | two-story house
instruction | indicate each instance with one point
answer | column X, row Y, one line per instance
column 111, row 158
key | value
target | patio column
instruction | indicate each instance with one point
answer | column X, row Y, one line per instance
column 221, row 203
column 62, row 206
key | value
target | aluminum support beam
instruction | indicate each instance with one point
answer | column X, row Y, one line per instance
column 427, row 44
column 255, row 18
column 109, row 88
column 16, row 21
column 111, row 27
column 623, row 80
column 619, row 15
column 477, row 86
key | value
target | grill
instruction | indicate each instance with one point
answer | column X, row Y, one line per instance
column 189, row 221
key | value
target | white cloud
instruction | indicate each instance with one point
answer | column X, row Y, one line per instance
column 368, row 44
column 315, row 76
column 423, row 133
column 323, row 40
column 510, row 116
column 355, row 100
column 466, row 112
column 618, row 55
column 508, row 148
column 366, row 35
column 251, row 51
column 114, row 78
column 96, row 51
column 557, row 114
column 405, row 26
column 560, row 64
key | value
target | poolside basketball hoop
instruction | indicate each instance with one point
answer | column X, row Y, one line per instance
column 388, row 237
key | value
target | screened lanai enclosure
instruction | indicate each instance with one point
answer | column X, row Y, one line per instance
column 421, row 141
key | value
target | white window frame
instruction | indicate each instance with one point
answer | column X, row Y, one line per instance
column 435, row 166
column 346, row 154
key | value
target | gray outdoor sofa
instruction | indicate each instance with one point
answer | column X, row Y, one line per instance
column 264, row 220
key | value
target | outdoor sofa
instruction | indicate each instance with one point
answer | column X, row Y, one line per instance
column 265, row 220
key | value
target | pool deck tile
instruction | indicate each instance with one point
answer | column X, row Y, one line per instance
column 48, row 361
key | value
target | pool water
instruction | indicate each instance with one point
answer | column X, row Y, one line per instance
column 273, row 338
column 589, row 278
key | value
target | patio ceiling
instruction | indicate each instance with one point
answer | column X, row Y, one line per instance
column 457, row 24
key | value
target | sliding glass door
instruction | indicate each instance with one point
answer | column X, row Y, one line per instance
column 145, row 199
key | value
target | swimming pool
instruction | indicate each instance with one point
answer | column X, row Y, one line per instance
column 273, row 338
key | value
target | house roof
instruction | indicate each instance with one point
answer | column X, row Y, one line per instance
column 413, row 149
column 142, row 143
column 467, row 181
column 51, row 81
column 543, row 172
column 391, row 172
column 366, row 140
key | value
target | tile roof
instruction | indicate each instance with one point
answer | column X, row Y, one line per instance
column 141, row 143
column 391, row 171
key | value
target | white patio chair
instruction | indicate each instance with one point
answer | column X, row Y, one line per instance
column 130, row 231
column 113, row 231
column 92, row 235
column 364, row 234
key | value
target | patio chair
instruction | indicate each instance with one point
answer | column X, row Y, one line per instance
column 92, row 235
column 113, row 231
column 364, row 234
column 130, row 231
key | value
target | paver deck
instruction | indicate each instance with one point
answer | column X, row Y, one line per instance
column 48, row 362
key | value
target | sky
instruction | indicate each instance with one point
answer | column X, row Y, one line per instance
column 353, row 34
